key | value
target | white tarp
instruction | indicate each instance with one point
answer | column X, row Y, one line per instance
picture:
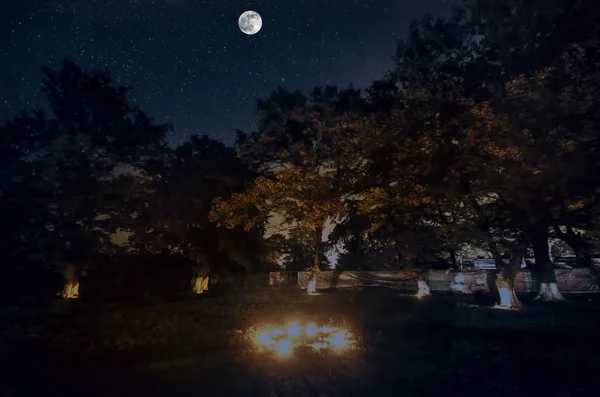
column 338, row 279
column 569, row 280
column 573, row 281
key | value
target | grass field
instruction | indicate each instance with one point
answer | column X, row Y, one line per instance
column 202, row 347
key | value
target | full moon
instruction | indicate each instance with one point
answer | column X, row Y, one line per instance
column 250, row 22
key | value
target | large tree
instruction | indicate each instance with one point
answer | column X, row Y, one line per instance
column 63, row 160
column 172, row 215
column 452, row 75
column 549, row 119
column 304, row 151
column 555, row 107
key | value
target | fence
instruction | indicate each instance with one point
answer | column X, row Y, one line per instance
column 583, row 280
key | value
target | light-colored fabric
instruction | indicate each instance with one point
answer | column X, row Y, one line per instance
column 568, row 280
column 343, row 279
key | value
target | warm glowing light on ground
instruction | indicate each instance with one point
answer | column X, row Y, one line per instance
column 293, row 329
column 318, row 346
column 263, row 338
column 311, row 330
column 339, row 341
column 277, row 332
column 423, row 289
column 284, row 341
column 284, row 348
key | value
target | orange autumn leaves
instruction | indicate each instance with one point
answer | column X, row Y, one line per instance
column 301, row 197
column 313, row 178
column 307, row 179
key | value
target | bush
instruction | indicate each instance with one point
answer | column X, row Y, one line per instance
column 128, row 278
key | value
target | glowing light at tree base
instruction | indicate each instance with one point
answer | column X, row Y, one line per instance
column 71, row 290
column 200, row 285
column 423, row 289
column 311, row 288
column 508, row 299
column 549, row 292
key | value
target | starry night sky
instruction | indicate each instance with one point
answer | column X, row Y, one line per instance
column 187, row 60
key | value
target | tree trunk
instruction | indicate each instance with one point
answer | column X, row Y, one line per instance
column 200, row 284
column 505, row 279
column 317, row 256
column 424, row 289
column 452, row 252
column 581, row 248
column 312, row 281
column 502, row 281
column 500, row 264
column 543, row 264
column 200, row 280
column 71, row 286
column 71, row 290
column 583, row 256
column 506, row 291
column 247, row 274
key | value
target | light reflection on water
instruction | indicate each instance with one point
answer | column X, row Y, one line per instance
column 283, row 341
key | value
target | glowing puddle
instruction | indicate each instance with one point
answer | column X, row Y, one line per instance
column 283, row 341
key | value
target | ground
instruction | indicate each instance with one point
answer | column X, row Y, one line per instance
column 201, row 347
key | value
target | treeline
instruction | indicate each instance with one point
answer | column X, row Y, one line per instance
column 485, row 135
column 91, row 190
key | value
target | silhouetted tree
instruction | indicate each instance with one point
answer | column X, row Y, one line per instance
column 173, row 214
column 60, row 164
column 302, row 151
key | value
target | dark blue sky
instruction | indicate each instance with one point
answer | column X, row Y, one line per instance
column 187, row 60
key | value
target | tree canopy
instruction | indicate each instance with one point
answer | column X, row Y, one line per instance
column 483, row 135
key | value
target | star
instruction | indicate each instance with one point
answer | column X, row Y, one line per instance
column 187, row 62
